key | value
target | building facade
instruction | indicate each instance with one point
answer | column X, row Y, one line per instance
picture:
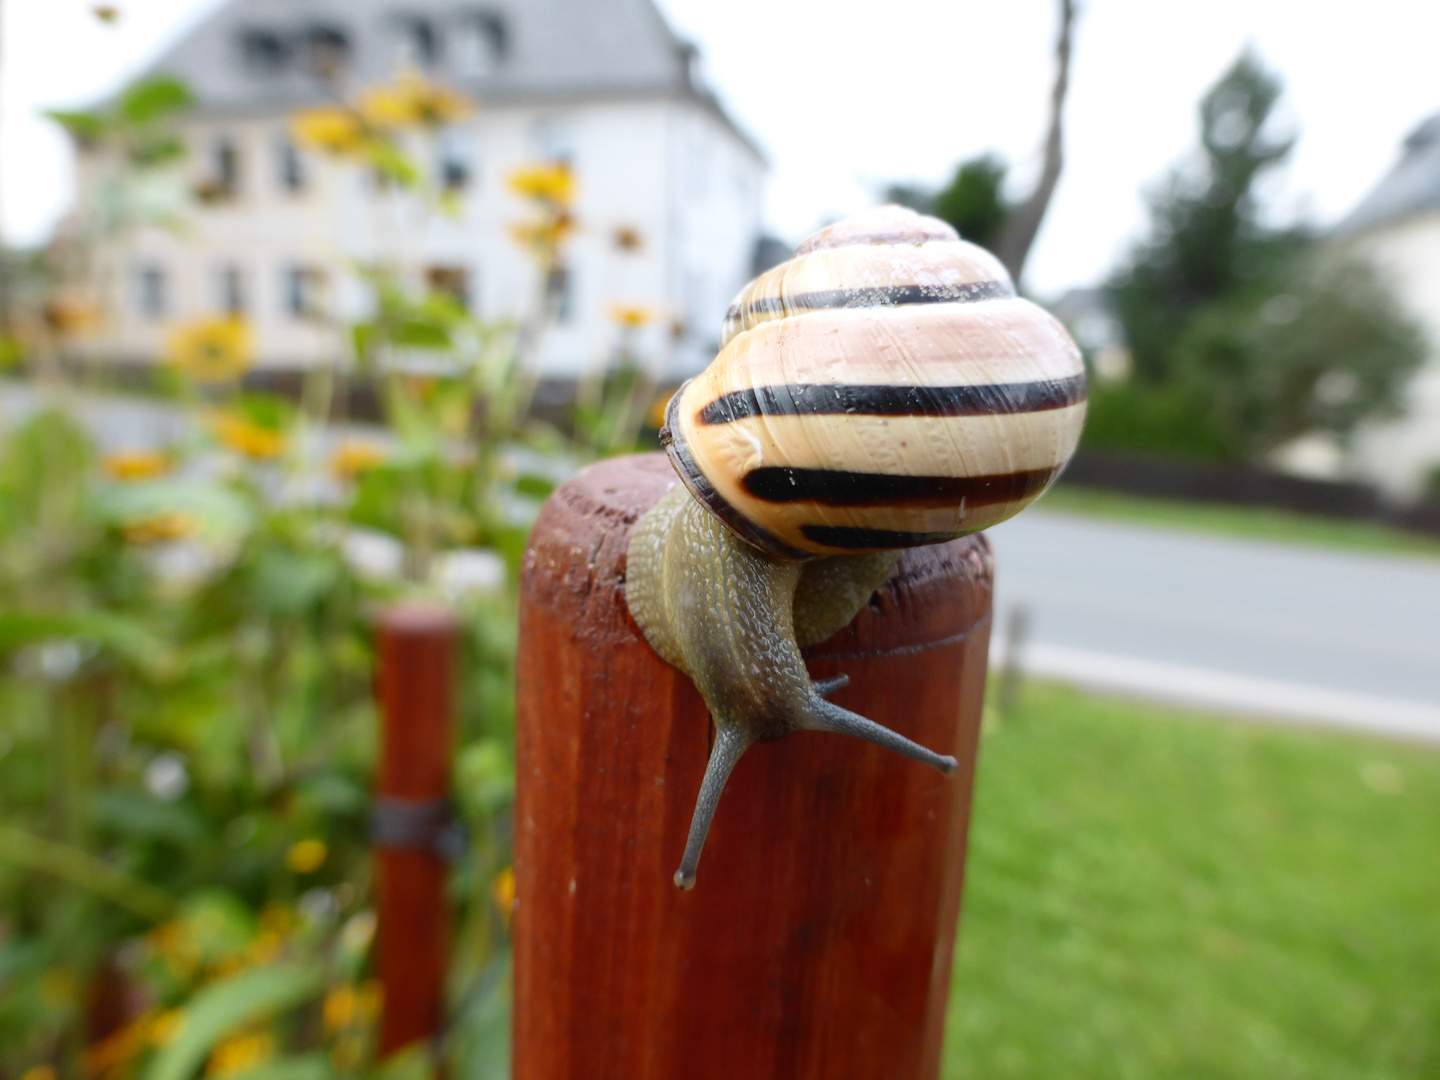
column 280, row 235
column 1397, row 228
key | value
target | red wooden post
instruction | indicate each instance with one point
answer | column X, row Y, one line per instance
column 414, row 684
column 817, row 942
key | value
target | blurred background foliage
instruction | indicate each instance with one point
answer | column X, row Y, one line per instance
column 187, row 728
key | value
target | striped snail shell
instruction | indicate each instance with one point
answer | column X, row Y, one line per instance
column 884, row 388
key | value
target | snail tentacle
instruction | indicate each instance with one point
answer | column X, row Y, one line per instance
column 828, row 716
column 825, row 687
column 729, row 745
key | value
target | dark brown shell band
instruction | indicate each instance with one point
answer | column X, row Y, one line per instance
column 689, row 472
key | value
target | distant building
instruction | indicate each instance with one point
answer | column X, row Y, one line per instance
column 1397, row 228
column 279, row 232
column 1089, row 315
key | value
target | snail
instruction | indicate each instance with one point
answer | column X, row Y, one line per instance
column 885, row 388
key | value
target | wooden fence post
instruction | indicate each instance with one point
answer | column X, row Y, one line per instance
column 817, row 942
column 415, row 648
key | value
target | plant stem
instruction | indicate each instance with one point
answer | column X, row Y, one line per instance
column 21, row 848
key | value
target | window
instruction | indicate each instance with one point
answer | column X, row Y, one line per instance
column 560, row 294
column 451, row 281
column 329, row 49
column 416, row 42
column 553, row 141
column 230, row 289
column 478, row 42
column 291, row 166
column 224, row 172
column 264, row 52
column 304, row 288
column 455, row 164
column 150, row 291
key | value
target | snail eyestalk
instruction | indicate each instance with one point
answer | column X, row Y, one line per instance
column 727, row 615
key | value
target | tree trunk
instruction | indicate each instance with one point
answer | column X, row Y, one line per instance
column 1023, row 223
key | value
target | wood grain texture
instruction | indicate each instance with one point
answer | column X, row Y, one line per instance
column 415, row 688
column 818, row 940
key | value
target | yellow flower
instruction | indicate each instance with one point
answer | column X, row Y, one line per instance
column 331, row 128
column 543, row 238
column 502, row 890
column 241, row 1053
column 412, row 101
column 213, row 349
column 166, row 1027
column 156, row 528
column 368, row 999
column 355, row 456
column 38, row 1072
column 68, row 316
column 135, row 464
column 551, row 183
column 306, row 856
column 58, row 987
column 656, row 416
column 246, row 437
column 276, row 918
column 627, row 238
column 631, row 316
column 338, row 1010
column 264, row 949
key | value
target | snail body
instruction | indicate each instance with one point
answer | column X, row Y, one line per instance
column 883, row 389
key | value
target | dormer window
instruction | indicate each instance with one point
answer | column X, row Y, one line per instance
column 417, row 45
column 329, row 49
column 265, row 52
column 479, row 42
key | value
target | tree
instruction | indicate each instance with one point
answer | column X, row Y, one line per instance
column 972, row 202
column 1206, row 240
column 1245, row 336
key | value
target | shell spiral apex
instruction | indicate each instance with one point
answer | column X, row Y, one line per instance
column 884, row 388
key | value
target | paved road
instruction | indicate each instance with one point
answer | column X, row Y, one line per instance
column 1237, row 624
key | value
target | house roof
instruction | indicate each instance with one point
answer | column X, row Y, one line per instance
column 259, row 55
column 1412, row 187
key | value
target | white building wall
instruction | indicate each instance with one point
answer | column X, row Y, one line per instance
column 668, row 169
column 1399, row 455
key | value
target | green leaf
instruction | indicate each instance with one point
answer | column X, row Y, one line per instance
column 417, row 334
column 153, row 99
column 126, row 638
column 309, row 1067
column 224, row 1007
column 87, row 127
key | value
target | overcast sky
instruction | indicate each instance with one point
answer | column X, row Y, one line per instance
column 847, row 96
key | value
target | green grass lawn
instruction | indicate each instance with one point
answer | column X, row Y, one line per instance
column 1153, row 894
column 1251, row 522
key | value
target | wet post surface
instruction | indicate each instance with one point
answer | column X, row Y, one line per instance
column 818, row 939
column 415, row 688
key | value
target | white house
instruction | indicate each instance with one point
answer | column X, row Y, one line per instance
column 602, row 84
column 1397, row 227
